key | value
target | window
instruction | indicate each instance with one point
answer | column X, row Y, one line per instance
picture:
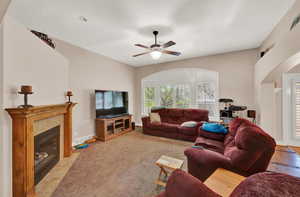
column 183, row 96
column 167, row 96
column 206, row 98
column 181, row 88
column 149, row 99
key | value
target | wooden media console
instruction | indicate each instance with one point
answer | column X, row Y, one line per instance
column 108, row 128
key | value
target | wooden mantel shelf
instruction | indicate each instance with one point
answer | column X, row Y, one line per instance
column 23, row 142
column 38, row 110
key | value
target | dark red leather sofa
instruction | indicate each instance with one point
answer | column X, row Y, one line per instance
column 245, row 149
column 171, row 119
column 267, row 184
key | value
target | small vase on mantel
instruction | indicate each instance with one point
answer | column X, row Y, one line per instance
column 69, row 94
column 26, row 90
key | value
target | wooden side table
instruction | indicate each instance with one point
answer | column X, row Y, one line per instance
column 223, row 182
column 167, row 165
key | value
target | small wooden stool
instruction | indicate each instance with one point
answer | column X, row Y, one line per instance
column 167, row 165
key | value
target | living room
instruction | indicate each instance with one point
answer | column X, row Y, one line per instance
column 172, row 60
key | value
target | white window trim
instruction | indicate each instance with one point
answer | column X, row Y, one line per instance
column 287, row 110
column 293, row 98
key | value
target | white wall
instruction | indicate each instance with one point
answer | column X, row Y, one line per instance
column 27, row 60
column 236, row 75
column 285, row 46
column 267, row 108
column 90, row 71
column 283, row 27
column 280, row 59
column 1, row 109
column 278, row 116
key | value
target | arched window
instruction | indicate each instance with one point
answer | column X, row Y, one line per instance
column 181, row 88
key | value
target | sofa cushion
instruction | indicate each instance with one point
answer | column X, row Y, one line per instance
column 189, row 124
column 214, row 136
column 246, row 138
column 195, row 115
column 168, row 127
column 155, row 125
column 174, row 116
column 210, row 144
column 162, row 112
column 234, row 127
column 192, row 131
column 236, row 123
column 154, row 117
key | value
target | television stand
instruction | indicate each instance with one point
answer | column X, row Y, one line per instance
column 109, row 128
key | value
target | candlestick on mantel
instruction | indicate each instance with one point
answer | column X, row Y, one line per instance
column 69, row 94
column 25, row 90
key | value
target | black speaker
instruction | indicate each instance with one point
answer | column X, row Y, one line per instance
column 133, row 125
column 251, row 114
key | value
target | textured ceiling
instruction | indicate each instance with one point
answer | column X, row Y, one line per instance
column 199, row 27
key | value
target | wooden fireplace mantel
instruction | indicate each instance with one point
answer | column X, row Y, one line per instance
column 23, row 142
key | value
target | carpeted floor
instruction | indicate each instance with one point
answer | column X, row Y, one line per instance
column 123, row 167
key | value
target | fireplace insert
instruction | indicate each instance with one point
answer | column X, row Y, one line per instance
column 46, row 152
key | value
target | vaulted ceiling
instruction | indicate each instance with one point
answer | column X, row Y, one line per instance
column 199, row 27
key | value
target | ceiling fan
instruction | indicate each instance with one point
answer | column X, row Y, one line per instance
column 156, row 49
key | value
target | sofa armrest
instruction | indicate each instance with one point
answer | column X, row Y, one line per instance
column 202, row 162
column 146, row 121
column 207, row 158
column 182, row 184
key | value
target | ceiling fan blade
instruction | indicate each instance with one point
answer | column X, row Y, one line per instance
column 168, row 44
column 141, row 45
column 141, row 54
column 171, row 52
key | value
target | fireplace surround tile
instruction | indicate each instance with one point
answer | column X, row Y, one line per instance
column 40, row 126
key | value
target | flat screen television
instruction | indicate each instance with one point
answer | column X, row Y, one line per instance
column 110, row 103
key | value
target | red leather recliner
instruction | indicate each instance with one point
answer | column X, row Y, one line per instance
column 267, row 184
column 245, row 149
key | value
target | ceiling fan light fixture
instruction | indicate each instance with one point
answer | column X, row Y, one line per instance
column 156, row 50
column 155, row 54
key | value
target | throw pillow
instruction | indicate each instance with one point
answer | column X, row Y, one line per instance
column 214, row 127
column 155, row 117
column 190, row 124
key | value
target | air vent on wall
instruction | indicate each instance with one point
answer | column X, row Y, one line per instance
column 45, row 38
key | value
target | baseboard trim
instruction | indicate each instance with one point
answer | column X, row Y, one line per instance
column 81, row 139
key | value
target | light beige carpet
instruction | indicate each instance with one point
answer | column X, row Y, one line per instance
column 122, row 167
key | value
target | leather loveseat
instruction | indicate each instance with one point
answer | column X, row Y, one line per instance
column 171, row 119
column 246, row 149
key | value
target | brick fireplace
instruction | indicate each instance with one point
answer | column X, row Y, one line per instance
column 42, row 136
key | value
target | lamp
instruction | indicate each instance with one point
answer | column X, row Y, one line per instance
column 155, row 54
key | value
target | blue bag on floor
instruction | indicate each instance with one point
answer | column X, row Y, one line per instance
column 214, row 128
